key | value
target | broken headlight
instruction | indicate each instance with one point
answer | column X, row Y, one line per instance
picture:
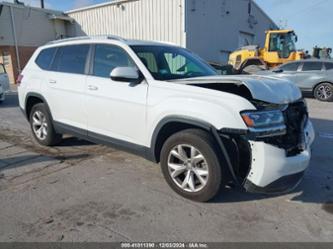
column 265, row 123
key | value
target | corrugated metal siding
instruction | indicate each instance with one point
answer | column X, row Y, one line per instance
column 160, row 20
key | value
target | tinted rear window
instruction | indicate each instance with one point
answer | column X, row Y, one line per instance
column 290, row 67
column 71, row 59
column 312, row 66
column 45, row 57
column 329, row 66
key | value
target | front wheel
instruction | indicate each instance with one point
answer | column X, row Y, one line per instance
column 324, row 92
column 191, row 166
column 42, row 127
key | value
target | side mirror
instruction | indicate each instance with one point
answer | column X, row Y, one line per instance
column 279, row 70
column 125, row 74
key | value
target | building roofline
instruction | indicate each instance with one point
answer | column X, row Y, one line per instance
column 19, row 6
column 114, row 2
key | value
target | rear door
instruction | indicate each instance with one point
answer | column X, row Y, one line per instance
column 4, row 81
column 66, row 85
column 311, row 73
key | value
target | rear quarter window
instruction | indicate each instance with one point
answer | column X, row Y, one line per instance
column 329, row 66
column 45, row 57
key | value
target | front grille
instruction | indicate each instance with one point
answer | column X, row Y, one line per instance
column 293, row 142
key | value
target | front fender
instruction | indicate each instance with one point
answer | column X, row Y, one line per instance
column 221, row 112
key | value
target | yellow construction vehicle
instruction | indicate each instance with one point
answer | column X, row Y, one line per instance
column 279, row 48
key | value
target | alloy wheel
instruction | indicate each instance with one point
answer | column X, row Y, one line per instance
column 324, row 92
column 39, row 125
column 188, row 168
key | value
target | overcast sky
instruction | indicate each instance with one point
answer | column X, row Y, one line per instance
column 311, row 19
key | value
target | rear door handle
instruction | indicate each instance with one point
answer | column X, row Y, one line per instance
column 92, row 88
column 52, row 81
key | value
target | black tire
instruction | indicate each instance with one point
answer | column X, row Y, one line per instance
column 206, row 145
column 319, row 90
column 51, row 138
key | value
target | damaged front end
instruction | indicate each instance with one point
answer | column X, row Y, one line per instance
column 272, row 154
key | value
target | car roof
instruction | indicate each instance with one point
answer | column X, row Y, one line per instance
column 311, row 60
column 99, row 38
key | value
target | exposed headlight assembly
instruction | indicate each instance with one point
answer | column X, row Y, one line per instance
column 265, row 123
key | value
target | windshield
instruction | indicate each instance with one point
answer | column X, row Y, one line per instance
column 283, row 43
column 171, row 63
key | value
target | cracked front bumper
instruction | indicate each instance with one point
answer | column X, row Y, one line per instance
column 272, row 171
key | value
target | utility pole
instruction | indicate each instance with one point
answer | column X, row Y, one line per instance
column 42, row 4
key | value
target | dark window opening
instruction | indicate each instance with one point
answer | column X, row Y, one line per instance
column 329, row 66
column 290, row 67
column 312, row 66
column 45, row 57
column 107, row 58
column 71, row 59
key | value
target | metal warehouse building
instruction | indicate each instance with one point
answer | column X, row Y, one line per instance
column 211, row 28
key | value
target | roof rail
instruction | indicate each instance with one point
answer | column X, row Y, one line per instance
column 79, row 38
column 115, row 37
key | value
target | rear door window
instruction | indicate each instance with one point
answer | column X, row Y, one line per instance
column 312, row 66
column 45, row 58
column 329, row 66
column 290, row 67
column 71, row 59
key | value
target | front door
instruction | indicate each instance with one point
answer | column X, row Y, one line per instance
column 114, row 109
column 288, row 71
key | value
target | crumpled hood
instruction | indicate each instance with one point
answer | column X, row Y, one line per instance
column 264, row 88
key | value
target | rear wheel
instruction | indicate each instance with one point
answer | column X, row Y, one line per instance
column 324, row 92
column 191, row 166
column 42, row 127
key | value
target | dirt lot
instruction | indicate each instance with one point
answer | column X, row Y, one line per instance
column 79, row 191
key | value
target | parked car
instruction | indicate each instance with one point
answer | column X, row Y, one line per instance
column 314, row 77
column 164, row 103
column 4, row 82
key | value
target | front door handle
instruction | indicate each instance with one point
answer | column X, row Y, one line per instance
column 52, row 81
column 92, row 88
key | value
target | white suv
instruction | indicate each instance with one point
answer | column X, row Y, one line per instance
column 166, row 104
